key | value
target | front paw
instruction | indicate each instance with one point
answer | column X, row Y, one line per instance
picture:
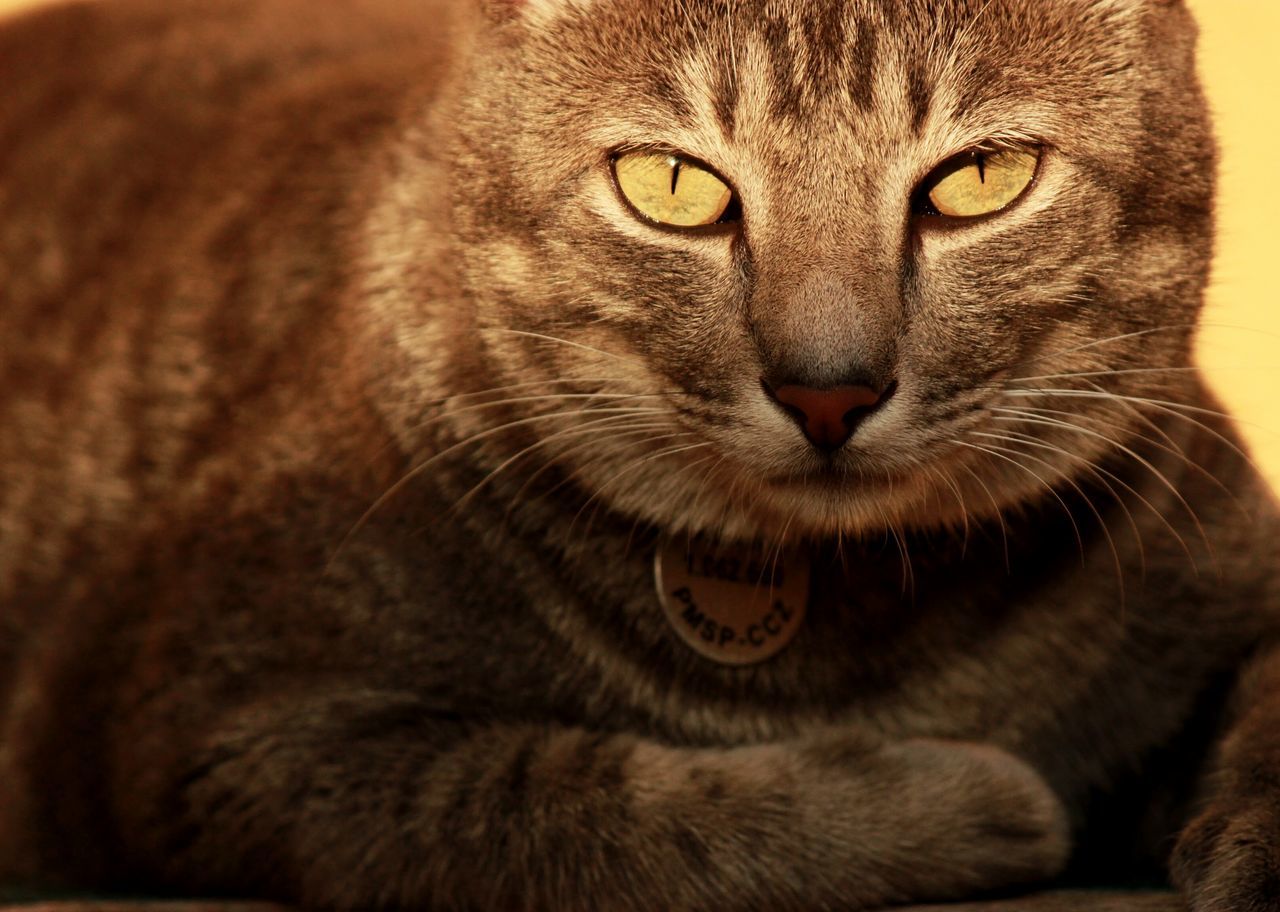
column 1228, row 859
column 1004, row 825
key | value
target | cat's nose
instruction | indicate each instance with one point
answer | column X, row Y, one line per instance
column 828, row 417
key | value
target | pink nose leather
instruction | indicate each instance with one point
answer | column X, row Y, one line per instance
column 828, row 416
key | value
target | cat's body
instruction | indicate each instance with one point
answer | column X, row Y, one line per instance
column 246, row 252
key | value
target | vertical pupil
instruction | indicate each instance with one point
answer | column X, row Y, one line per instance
column 982, row 167
column 675, row 174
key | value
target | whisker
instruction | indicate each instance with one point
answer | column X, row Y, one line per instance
column 592, row 428
column 701, row 486
column 1169, row 446
column 993, row 451
column 1137, row 457
column 421, row 426
column 995, row 506
column 1106, row 531
column 1169, row 408
column 688, row 468
column 1107, row 373
column 563, row 457
column 525, row 400
column 1097, row 472
column 456, row 397
column 1100, row 394
column 946, row 478
column 1175, row 327
column 1159, row 405
column 1172, row 449
column 556, row 339
column 632, row 466
column 483, row 435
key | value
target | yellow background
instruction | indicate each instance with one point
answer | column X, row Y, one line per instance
column 1240, row 344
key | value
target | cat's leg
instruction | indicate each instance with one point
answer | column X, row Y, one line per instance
column 1228, row 859
column 364, row 799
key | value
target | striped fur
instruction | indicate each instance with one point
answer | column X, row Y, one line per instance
column 345, row 403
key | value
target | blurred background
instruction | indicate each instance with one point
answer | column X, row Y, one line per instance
column 1240, row 342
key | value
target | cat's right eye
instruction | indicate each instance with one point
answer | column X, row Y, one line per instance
column 672, row 190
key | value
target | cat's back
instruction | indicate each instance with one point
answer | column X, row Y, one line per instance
column 178, row 179
column 110, row 103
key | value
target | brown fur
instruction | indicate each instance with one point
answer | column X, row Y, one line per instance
column 307, row 595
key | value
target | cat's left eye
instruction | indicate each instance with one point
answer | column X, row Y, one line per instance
column 672, row 190
column 979, row 182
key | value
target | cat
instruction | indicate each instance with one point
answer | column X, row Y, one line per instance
column 362, row 360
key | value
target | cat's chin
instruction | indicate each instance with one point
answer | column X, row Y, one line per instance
column 815, row 504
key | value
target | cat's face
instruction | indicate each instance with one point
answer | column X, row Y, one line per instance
column 828, row 121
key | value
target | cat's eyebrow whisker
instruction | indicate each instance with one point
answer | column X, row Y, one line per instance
column 556, row 339
column 1139, row 458
column 417, row 470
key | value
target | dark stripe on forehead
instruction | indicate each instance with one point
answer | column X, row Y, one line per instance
column 861, row 64
column 919, row 95
column 787, row 91
column 671, row 94
column 824, row 31
column 724, row 94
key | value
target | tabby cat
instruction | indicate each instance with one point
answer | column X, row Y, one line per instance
column 362, row 359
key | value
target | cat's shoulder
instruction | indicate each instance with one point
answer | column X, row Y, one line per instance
column 135, row 122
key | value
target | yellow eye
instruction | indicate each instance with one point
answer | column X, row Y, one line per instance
column 671, row 190
column 979, row 183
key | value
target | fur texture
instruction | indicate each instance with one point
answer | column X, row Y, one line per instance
column 345, row 403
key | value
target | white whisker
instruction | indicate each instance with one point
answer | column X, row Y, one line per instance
column 417, row 470
column 556, row 339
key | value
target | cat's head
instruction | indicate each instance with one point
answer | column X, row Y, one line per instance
column 758, row 227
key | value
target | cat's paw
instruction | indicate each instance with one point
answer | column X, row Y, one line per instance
column 1228, row 859
column 1010, row 826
